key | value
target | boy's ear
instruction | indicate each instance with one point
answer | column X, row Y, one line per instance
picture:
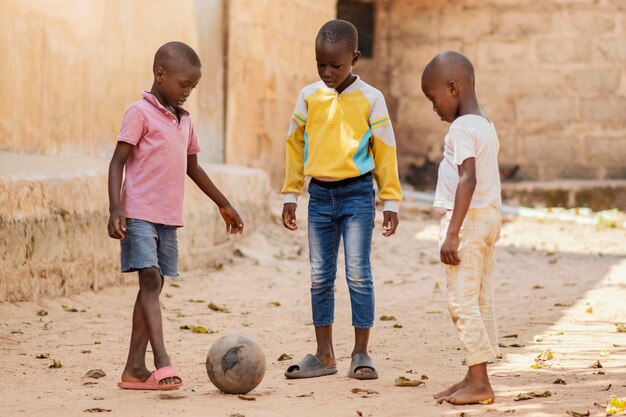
column 159, row 74
column 355, row 57
column 453, row 88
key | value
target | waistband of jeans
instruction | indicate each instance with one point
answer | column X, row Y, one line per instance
column 340, row 183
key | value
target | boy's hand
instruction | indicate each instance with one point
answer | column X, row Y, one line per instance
column 289, row 216
column 390, row 223
column 234, row 224
column 450, row 250
column 117, row 225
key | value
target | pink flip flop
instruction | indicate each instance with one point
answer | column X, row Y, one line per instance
column 152, row 383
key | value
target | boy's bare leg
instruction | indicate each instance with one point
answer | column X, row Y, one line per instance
column 361, row 340
column 454, row 388
column 135, row 369
column 476, row 390
column 325, row 352
column 150, row 284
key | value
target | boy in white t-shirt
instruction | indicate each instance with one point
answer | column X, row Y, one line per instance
column 468, row 188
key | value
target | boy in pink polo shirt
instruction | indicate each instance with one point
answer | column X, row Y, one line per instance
column 156, row 147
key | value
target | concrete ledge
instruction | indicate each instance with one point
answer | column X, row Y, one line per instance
column 53, row 214
column 597, row 195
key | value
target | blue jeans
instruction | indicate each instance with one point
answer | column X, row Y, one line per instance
column 334, row 212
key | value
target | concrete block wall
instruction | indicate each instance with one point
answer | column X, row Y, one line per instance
column 72, row 67
column 53, row 216
column 271, row 56
column 549, row 73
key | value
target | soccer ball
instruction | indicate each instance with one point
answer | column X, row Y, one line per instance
column 235, row 364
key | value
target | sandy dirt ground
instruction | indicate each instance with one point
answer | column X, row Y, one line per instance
column 558, row 286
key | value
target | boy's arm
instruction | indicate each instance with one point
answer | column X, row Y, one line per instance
column 294, row 164
column 463, row 197
column 234, row 224
column 117, row 221
column 383, row 145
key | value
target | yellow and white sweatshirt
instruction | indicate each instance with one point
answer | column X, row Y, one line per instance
column 337, row 136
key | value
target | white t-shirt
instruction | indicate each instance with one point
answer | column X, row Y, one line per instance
column 470, row 136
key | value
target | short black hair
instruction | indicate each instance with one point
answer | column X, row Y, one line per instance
column 451, row 65
column 339, row 31
column 175, row 53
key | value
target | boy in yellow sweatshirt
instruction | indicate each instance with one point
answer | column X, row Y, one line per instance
column 341, row 136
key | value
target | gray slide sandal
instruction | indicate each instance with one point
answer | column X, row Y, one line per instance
column 360, row 361
column 309, row 367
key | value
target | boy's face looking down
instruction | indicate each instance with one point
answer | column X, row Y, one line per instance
column 176, row 81
column 448, row 82
column 443, row 93
column 334, row 63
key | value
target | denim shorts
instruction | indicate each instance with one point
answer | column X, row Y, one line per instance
column 149, row 245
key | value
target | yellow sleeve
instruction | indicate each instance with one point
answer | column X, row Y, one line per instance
column 294, row 163
column 386, row 170
column 383, row 145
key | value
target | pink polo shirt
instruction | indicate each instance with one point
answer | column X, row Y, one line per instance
column 154, row 176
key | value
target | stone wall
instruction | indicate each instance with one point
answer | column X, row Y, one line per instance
column 71, row 68
column 53, row 216
column 549, row 73
column 271, row 56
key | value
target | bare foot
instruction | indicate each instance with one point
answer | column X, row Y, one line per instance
column 143, row 375
column 135, row 375
column 452, row 389
column 326, row 360
column 170, row 381
column 471, row 394
column 364, row 371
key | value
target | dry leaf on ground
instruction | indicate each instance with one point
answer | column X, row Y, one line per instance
column 616, row 406
column 200, row 329
column 577, row 414
column 402, row 381
column 531, row 395
column 285, row 357
column 95, row 374
column 542, row 361
column 56, row 364
column 512, row 345
column 365, row 393
column 221, row 309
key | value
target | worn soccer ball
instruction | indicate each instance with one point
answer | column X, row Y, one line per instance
column 235, row 364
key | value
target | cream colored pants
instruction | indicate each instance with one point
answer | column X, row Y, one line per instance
column 470, row 284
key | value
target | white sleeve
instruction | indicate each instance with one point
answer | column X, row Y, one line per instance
column 463, row 143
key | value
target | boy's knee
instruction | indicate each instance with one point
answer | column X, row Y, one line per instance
column 454, row 312
column 321, row 281
column 150, row 280
column 360, row 282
